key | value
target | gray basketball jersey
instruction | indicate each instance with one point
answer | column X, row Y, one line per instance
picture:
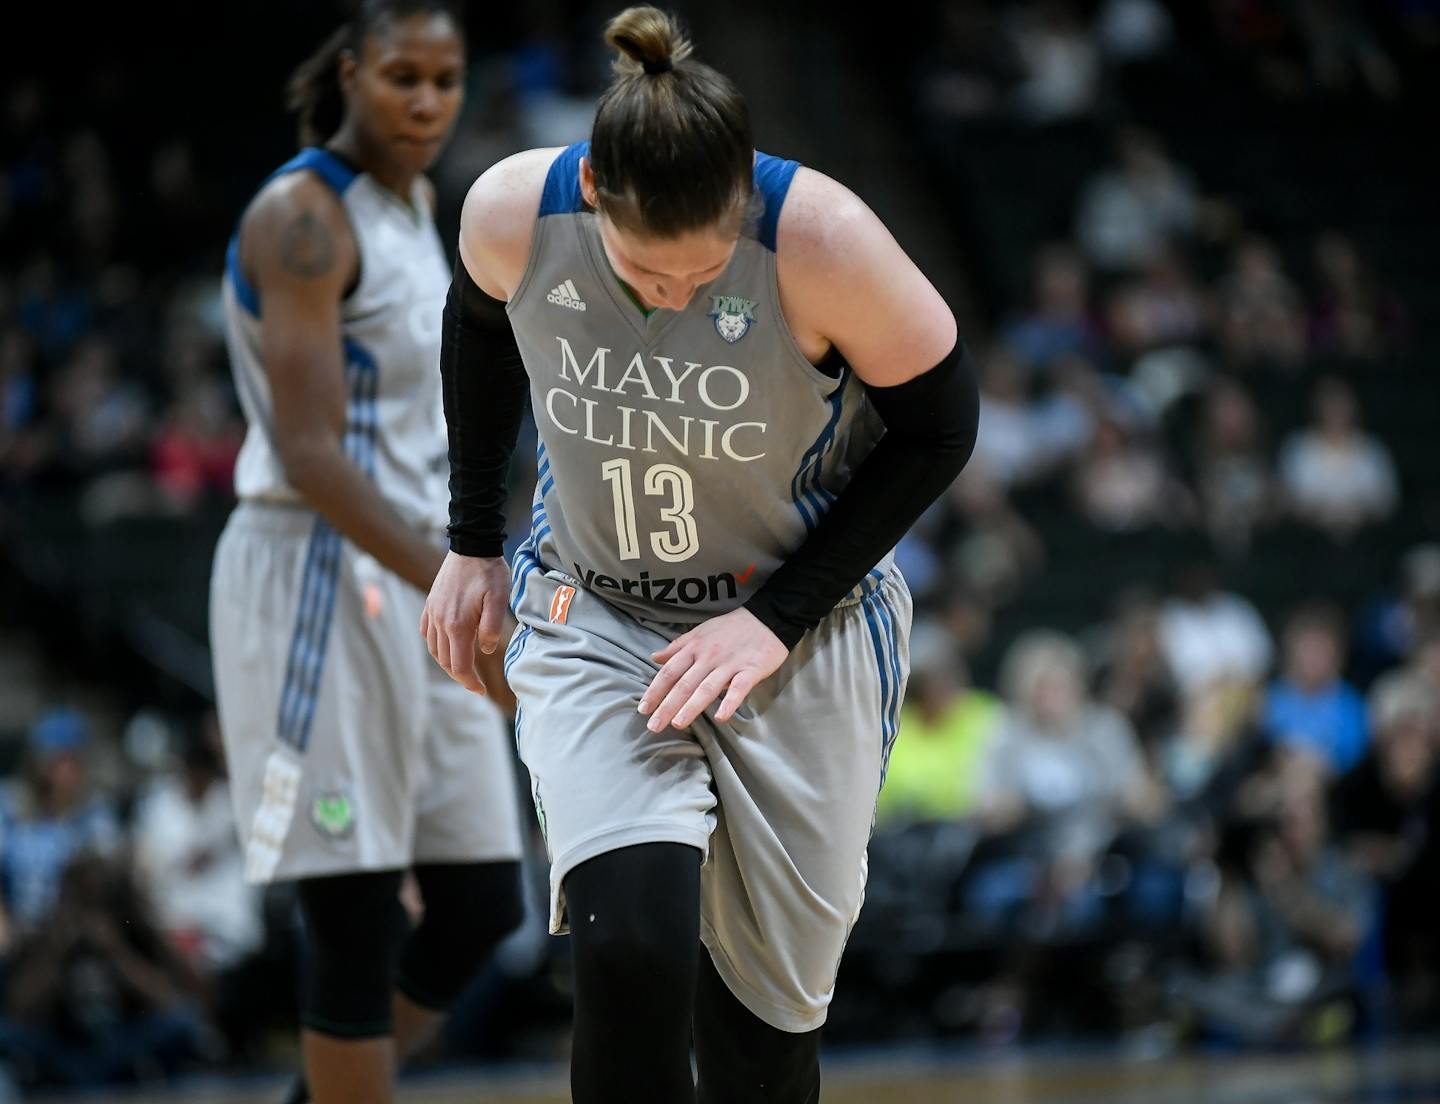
column 685, row 454
column 390, row 332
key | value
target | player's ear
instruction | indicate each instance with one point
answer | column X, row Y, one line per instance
column 588, row 192
column 346, row 71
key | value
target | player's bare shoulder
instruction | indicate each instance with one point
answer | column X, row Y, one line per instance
column 297, row 229
column 820, row 220
column 828, row 244
column 497, row 223
column 845, row 281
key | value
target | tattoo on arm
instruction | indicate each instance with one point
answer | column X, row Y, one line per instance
column 306, row 248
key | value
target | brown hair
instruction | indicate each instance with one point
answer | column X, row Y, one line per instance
column 313, row 91
column 672, row 149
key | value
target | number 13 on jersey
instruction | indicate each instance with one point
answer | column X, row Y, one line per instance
column 672, row 545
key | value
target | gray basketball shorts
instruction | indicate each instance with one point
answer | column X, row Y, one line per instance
column 780, row 799
column 349, row 748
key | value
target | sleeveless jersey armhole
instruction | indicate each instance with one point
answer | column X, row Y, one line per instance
column 560, row 196
column 773, row 177
column 335, row 173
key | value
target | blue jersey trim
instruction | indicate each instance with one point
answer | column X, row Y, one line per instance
column 362, row 430
column 562, row 183
column 527, row 557
column 772, row 184
column 325, row 165
column 811, row 498
column 245, row 291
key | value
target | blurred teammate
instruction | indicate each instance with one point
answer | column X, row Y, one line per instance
column 712, row 642
column 352, row 757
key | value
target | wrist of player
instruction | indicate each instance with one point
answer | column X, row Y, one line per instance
column 478, row 546
column 770, row 610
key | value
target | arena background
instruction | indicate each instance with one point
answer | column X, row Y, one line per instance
column 1193, row 248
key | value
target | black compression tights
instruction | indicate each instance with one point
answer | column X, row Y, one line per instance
column 742, row 1059
column 640, row 977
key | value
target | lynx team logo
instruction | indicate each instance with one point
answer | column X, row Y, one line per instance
column 733, row 315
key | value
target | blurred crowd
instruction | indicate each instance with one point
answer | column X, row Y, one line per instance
column 1197, row 813
column 1120, row 772
column 113, row 382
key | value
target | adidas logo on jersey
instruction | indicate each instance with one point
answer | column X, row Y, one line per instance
column 566, row 296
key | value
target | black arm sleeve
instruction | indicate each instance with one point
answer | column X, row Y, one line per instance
column 485, row 387
column 930, row 424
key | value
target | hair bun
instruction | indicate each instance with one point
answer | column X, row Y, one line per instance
column 649, row 40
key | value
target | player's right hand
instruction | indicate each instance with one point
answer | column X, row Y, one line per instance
column 465, row 610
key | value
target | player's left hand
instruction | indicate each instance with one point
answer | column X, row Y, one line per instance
column 730, row 654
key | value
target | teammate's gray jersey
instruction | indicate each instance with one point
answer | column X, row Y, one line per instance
column 685, row 454
column 390, row 330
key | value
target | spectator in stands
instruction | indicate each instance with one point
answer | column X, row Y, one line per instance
column 994, row 548
column 1424, row 657
column 193, row 452
column 1059, row 322
column 1123, row 483
column 1336, row 476
column 945, row 727
column 1394, row 623
column 1387, row 818
column 972, row 69
column 19, row 405
column 1133, row 31
column 188, row 859
column 1073, row 400
column 188, row 862
column 1352, row 317
column 1209, row 634
column 1310, row 705
column 1204, row 758
column 99, row 420
column 1233, row 474
column 18, row 398
column 94, row 996
column 1343, row 50
column 1059, row 64
column 1130, row 214
column 1063, row 770
column 55, row 315
column 48, row 815
column 1284, row 930
column 1007, row 448
column 1260, row 312
column 1381, row 805
column 1133, row 677
column 1162, row 306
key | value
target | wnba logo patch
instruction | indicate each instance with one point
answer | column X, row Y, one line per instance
column 560, row 604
